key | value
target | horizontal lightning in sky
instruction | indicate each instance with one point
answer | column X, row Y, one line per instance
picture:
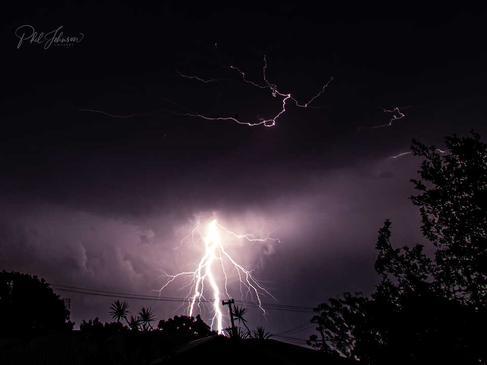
column 115, row 116
column 401, row 154
column 395, row 114
column 211, row 273
column 285, row 98
column 197, row 78
column 406, row 153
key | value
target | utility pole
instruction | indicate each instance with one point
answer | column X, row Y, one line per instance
column 229, row 302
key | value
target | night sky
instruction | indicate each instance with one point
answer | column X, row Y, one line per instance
column 103, row 202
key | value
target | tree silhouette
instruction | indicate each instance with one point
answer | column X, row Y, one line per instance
column 119, row 310
column 239, row 315
column 424, row 310
column 146, row 317
column 99, row 329
column 28, row 304
column 185, row 328
column 261, row 334
column 92, row 325
column 134, row 323
column 339, row 323
column 240, row 333
column 452, row 201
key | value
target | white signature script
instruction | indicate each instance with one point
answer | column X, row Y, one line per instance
column 27, row 33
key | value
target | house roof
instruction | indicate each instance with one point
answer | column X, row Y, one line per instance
column 216, row 350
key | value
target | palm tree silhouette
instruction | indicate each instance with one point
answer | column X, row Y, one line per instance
column 261, row 334
column 134, row 323
column 146, row 317
column 239, row 315
column 119, row 310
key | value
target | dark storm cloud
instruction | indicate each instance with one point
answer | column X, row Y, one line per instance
column 325, row 226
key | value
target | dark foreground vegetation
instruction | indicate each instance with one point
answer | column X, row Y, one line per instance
column 36, row 330
column 429, row 306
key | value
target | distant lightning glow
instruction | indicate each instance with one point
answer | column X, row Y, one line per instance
column 275, row 92
column 211, row 274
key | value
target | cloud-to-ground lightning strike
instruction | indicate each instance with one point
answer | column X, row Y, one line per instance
column 275, row 92
column 211, row 271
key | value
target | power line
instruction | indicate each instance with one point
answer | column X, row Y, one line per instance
column 295, row 329
column 81, row 290
column 285, row 334
column 75, row 289
column 269, row 306
column 115, row 294
column 301, row 340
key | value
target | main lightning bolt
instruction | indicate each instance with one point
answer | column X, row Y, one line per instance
column 211, row 265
